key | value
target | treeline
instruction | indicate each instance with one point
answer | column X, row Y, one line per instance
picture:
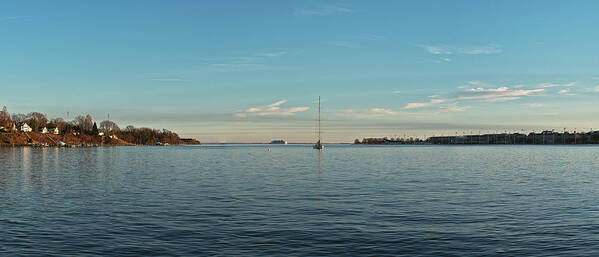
column 389, row 141
column 147, row 136
column 86, row 125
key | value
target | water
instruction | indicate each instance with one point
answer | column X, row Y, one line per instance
column 246, row 200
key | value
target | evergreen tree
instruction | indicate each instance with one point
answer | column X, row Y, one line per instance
column 95, row 130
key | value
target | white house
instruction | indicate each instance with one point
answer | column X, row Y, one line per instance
column 23, row 127
column 54, row 130
column 51, row 129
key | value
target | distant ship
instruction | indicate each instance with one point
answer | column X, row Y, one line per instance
column 318, row 145
column 278, row 142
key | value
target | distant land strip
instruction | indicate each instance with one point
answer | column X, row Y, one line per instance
column 542, row 138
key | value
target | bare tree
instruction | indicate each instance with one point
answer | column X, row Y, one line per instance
column 88, row 123
column 36, row 120
column 4, row 114
column 60, row 123
column 130, row 128
column 79, row 121
column 18, row 117
column 108, row 126
column 85, row 123
column 5, row 118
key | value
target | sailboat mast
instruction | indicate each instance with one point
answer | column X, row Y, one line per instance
column 318, row 118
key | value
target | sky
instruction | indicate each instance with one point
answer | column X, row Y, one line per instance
column 252, row 71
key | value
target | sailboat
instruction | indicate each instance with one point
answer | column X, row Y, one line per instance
column 318, row 145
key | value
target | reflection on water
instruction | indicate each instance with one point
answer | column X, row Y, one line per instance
column 349, row 200
column 319, row 164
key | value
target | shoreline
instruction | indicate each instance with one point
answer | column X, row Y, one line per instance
column 37, row 139
column 82, row 146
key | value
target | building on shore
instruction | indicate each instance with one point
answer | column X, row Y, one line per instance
column 542, row 138
column 389, row 141
column 24, row 127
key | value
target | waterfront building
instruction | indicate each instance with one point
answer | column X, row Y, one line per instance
column 24, row 127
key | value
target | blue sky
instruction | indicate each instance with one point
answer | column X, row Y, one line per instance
column 251, row 71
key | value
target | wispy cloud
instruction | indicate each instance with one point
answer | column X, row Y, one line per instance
column 346, row 44
column 232, row 67
column 272, row 54
column 368, row 37
column 437, row 49
column 271, row 109
column 321, row 10
column 445, row 105
column 473, row 83
column 565, row 92
column 471, row 50
column 245, row 59
column 477, row 94
column 354, row 41
column 499, row 99
column 442, row 60
column 397, row 92
column 597, row 88
column 487, row 49
column 252, row 62
column 424, row 104
column 496, row 94
column 548, row 85
column 454, row 107
column 169, row 79
column 536, row 105
column 374, row 112
column 8, row 18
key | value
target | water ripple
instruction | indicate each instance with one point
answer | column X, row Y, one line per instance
column 244, row 200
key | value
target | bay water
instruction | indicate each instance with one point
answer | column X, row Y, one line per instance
column 268, row 200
